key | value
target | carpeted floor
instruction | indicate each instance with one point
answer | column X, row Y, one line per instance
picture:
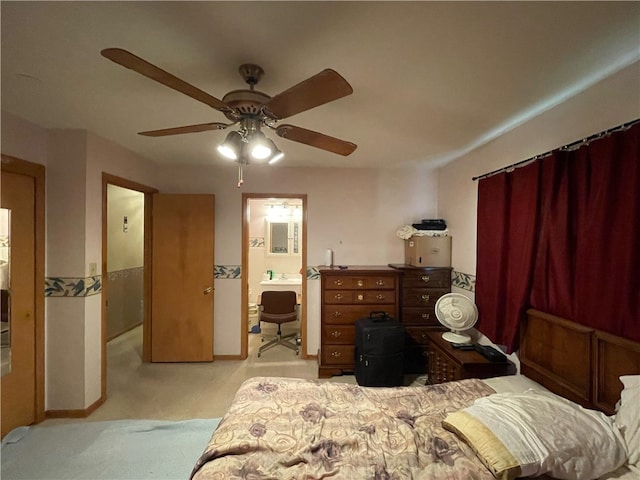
column 181, row 391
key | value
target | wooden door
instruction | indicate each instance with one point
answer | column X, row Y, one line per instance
column 18, row 386
column 182, row 278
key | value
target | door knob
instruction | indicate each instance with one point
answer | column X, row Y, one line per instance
column 208, row 290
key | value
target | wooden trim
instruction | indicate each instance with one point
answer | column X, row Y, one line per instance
column 76, row 413
column 244, row 323
column 38, row 172
column 108, row 179
column 228, row 357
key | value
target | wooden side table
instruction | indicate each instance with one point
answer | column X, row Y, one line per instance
column 447, row 363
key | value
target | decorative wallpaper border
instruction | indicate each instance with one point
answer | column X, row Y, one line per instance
column 463, row 280
column 313, row 273
column 227, row 271
column 72, row 287
column 84, row 287
column 235, row 271
column 256, row 242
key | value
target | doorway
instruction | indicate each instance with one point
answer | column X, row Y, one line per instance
column 126, row 262
column 266, row 219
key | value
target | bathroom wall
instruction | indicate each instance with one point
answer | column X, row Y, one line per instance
column 125, row 245
column 259, row 260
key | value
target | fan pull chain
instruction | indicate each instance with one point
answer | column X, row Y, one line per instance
column 240, row 179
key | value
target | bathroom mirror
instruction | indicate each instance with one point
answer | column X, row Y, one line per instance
column 282, row 238
column 5, row 300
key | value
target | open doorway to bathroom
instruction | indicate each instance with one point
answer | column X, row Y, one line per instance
column 274, row 239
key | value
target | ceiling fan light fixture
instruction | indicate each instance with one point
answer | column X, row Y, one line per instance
column 277, row 154
column 259, row 147
column 231, row 147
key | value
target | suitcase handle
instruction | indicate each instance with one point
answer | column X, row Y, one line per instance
column 378, row 316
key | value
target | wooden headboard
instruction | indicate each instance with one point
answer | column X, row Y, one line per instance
column 576, row 362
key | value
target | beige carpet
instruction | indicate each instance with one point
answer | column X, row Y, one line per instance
column 169, row 391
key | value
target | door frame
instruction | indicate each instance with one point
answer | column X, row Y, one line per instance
column 38, row 173
column 244, row 278
column 108, row 179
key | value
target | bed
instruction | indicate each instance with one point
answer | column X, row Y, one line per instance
column 567, row 403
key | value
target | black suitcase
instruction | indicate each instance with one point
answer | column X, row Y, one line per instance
column 379, row 352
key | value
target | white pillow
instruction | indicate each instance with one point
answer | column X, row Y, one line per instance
column 627, row 418
column 535, row 433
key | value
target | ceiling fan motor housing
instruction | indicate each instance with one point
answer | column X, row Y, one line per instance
column 245, row 102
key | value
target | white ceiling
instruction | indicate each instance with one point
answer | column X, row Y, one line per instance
column 431, row 80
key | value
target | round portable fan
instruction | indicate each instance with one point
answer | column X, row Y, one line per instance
column 458, row 313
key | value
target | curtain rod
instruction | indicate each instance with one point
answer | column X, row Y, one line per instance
column 571, row 146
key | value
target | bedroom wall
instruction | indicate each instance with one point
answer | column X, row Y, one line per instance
column 356, row 212
column 609, row 103
column 75, row 160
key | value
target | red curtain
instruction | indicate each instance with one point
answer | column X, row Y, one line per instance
column 507, row 212
column 577, row 252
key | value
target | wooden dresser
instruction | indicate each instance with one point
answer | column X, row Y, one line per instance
column 420, row 289
column 347, row 295
column 447, row 363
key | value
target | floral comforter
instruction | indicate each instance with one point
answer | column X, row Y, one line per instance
column 285, row 428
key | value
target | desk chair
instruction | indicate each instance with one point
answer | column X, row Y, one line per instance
column 279, row 307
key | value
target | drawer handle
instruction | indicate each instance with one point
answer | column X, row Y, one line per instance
column 380, row 282
column 380, row 296
column 424, row 335
column 339, row 296
column 336, row 334
column 339, row 283
column 425, row 278
column 336, row 354
column 425, row 298
column 360, row 297
column 426, row 316
column 337, row 314
column 360, row 283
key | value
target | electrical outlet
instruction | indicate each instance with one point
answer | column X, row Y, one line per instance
column 93, row 269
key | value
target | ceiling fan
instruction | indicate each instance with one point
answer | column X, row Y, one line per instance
column 251, row 110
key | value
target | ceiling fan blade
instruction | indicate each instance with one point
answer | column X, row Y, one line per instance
column 324, row 87
column 315, row 139
column 203, row 127
column 137, row 64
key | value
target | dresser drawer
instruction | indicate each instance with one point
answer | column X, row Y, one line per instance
column 348, row 314
column 417, row 335
column 441, row 368
column 338, row 354
column 428, row 278
column 338, row 334
column 422, row 297
column 343, row 282
column 357, row 297
column 419, row 316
